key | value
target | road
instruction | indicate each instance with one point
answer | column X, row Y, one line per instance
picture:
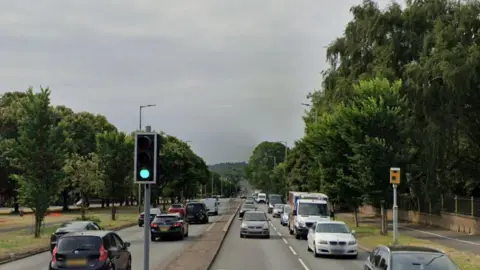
column 281, row 251
column 160, row 252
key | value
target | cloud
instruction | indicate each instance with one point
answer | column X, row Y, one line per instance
column 224, row 74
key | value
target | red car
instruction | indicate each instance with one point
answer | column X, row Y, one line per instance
column 177, row 208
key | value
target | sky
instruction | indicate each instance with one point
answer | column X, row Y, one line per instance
column 224, row 75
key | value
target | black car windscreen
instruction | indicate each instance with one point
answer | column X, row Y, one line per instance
column 79, row 242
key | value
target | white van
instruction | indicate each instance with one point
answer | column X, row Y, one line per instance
column 261, row 198
column 212, row 205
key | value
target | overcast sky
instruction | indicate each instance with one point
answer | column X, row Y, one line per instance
column 224, row 74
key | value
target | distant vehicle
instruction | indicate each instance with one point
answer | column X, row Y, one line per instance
column 278, row 210
column 247, row 201
column 153, row 212
column 91, row 250
column 165, row 225
column 245, row 208
column 72, row 226
column 261, row 198
column 408, row 257
column 243, row 197
column 212, row 206
column 177, row 208
column 285, row 215
column 196, row 212
column 307, row 208
column 255, row 223
column 272, row 200
column 332, row 238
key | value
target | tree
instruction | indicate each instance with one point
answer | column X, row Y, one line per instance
column 85, row 176
column 38, row 154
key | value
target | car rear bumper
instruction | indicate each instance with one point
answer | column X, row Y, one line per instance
column 104, row 266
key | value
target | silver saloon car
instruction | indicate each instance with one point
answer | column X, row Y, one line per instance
column 255, row 223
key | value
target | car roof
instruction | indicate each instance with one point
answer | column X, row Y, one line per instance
column 255, row 211
column 330, row 222
column 100, row 233
column 413, row 249
column 169, row 215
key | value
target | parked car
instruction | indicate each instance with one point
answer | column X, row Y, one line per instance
column 165, row 225
column 331, row 238
column 196, row 212
column 177, row 208
column 408, row 257
column 153, row 213
column 95, row 250
column 255, row 223
column 72, row 226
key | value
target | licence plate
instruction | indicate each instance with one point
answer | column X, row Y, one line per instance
column 338, row 251
column 164, row 229
column 76, row 262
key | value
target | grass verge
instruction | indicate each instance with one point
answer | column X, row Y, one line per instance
column 17, row 244
column 368, row 236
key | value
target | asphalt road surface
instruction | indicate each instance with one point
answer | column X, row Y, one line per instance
column 281, row 251
column 160, row 252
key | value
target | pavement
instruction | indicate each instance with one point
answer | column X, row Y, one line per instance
column 161, row 253
column 451, row 239
column 281, row 251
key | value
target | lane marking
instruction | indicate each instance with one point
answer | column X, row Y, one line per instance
column 303, row 264
column 279, row 234
column 442, row 236
column 210, row 227
column 293, row 251
column 285, row 240
column 274, row 228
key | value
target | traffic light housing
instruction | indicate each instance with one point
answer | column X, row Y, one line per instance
column 395, row 176
column 147, row 148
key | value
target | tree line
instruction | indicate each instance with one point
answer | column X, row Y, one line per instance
column 401, row 90
column 51, row 155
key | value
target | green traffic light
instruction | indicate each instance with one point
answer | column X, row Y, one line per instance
column 144, row 173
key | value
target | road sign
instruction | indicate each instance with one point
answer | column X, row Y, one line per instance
column 395, row 176
column 146, row 157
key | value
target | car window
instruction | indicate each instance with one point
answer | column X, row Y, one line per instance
column 177, row 206
column 97, row 227
column 106, row 242
column 425, row 261
column 91, row 227
column 332, row 228
column 372, row 256
column 254, row 216
column 79, row 242
column 195, row 207
column 74, row 225
column 118, row 240
column 166, row 219
column 113, row 242
column 383, row 256
column 377, row 258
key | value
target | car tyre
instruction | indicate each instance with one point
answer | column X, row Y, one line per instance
column 216, row 213
column 153, row 238
column 182, row 235
column 241, row 236
column 354, row 256
column 186, row 234
column 308, row 248
column 315, row 254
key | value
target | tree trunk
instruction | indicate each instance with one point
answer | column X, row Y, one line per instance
column 16, row 205
column 355, row 216
column 65, row 199
column 38, row 225
column 114, row 210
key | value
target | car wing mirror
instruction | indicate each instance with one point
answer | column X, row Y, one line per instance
column 208, row 209
column 126, row 244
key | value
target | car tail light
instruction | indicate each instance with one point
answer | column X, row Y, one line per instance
column 153, row 225
column 178, row 224
column 54, row 255
column 103, row 254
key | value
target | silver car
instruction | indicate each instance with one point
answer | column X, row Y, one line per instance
column 284, row 217
column 277, row 210
column 255, row 223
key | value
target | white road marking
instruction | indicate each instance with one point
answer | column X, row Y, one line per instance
column 274, row 228
column 293, row 251
column 303, row 264
column 442, row 236
column 279, row 234
column 285, row 240
column 210, row 227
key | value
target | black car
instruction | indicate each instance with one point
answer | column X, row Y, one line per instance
column 153, row 213
column 272, row 200
column 91, row 250
column 197, row 212
column 72, row 226
column 165, row 225
column 408, row 257
column 245, row 208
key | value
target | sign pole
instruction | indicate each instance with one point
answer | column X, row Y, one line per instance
column 146, row 229
column 395, row 180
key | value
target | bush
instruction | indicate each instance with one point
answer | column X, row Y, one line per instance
column 90, row 218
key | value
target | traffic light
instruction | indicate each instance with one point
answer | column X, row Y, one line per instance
column 395, row 176
column 147, row 146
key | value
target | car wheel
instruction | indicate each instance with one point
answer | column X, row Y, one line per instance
column 182, row 235
column 153, row 238
column 241, row 235
column 354, row 256
column 314, row 250
column 308, row 247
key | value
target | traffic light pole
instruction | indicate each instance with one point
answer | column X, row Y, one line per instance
column 146, row 232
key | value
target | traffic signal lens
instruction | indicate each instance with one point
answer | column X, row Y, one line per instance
column 144, row 173
column 143, row 158
column 144, row 142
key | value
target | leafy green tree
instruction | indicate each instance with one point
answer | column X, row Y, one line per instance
column 38, row 154
column 85, row 176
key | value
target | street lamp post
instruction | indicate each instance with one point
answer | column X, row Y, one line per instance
column 140, row 129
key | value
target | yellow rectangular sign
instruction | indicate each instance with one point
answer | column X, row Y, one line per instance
column 395, row 176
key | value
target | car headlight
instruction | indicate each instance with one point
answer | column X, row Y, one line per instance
column 323, row 242
column 353, row 242
column 265, row 226
column 244, row 225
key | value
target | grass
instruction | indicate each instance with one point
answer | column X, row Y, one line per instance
column 22, row 241
column 368, row 236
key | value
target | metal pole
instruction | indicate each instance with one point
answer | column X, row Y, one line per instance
column 212, row 185
column 146, row 229
column 395, row 216
column 140, row 186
